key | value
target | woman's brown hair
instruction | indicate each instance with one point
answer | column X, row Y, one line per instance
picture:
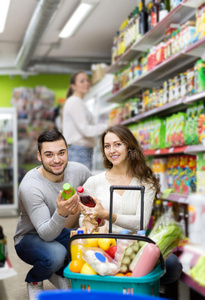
column 135, row 156
column 72, row 81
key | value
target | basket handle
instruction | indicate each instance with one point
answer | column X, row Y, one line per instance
column 125, row 187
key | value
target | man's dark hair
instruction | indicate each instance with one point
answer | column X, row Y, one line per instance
column 50, row 136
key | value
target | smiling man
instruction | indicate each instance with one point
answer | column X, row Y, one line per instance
column 41, row 238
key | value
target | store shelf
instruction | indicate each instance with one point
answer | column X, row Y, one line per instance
column 165, row 151
column 192, row 284
column 163, row 71
column 177, row 198
column 123, row 61
column 179, row 15
column 171, row 107
column 188, row 258
column 194, row 149
column 193, row 98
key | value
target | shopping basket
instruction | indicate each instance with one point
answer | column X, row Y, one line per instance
column 147, row 285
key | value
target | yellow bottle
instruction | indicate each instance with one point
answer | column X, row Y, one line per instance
column 76, row 247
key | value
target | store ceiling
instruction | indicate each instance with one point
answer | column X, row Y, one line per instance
column 34, row 47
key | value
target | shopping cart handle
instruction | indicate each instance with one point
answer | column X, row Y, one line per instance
column 126, row 187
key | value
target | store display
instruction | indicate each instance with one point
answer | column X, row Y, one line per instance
column 35, row 113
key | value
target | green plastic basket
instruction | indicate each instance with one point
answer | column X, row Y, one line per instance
column 147, row 285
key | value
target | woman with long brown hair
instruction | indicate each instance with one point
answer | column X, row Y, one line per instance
column 78, row 126
column 126, row 165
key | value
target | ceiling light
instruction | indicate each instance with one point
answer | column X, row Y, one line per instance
column 76, row 20
column 4, row 8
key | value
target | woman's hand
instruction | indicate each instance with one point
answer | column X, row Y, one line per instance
column 67, row 207
column 96, row 212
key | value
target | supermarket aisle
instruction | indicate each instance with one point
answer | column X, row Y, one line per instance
column 14, row 288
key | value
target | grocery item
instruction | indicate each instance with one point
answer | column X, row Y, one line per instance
column 85, row 199
column 76, row 247
column 146, row 261
column 68, row 191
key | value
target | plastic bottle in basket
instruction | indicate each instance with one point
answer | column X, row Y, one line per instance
column 76, row 247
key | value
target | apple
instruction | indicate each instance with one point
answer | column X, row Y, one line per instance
column 106, row 243
column 111, row 251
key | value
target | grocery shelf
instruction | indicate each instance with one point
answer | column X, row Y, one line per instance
column 165, row 151
column 188, row 258
column 193, row 98
column 192, row 284
column 123, row 60
column 177, row 198
column 128, row 91
column 175, row 63
column 171, row 107
column 179, row 15
column 194, row 149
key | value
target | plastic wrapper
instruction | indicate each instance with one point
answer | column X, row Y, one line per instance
column 126, row 252
column 100, row 261
column 90, row 222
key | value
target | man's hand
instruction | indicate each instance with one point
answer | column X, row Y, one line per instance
column 67, row 207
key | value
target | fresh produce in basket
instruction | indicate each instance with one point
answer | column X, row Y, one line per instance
column 100, row 261
column 105, row 244
column 126, row 252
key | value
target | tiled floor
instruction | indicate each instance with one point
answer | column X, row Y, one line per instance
column 14, row 288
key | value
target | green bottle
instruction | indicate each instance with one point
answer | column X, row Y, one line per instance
column 68, row 191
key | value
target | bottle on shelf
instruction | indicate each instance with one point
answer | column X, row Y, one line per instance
column 157, row 211
column 163, row 9
column 155, row 13
column 170, row 211
column 137, row 24
column 181, row 219
column 143, row 18
column 149, row 16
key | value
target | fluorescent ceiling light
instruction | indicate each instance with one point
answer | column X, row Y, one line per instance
column 76, row 19
column 4, row 8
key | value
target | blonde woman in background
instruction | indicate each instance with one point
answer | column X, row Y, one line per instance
column 78, row 127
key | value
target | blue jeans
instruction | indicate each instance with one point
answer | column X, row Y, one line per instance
column 81, row 154
column 173, row 270
column 47, row 258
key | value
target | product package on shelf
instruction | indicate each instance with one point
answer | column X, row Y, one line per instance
column 200, row 173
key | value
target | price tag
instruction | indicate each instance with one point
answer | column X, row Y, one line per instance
column 171, row 150
column 157, row 151
column 166, row 193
